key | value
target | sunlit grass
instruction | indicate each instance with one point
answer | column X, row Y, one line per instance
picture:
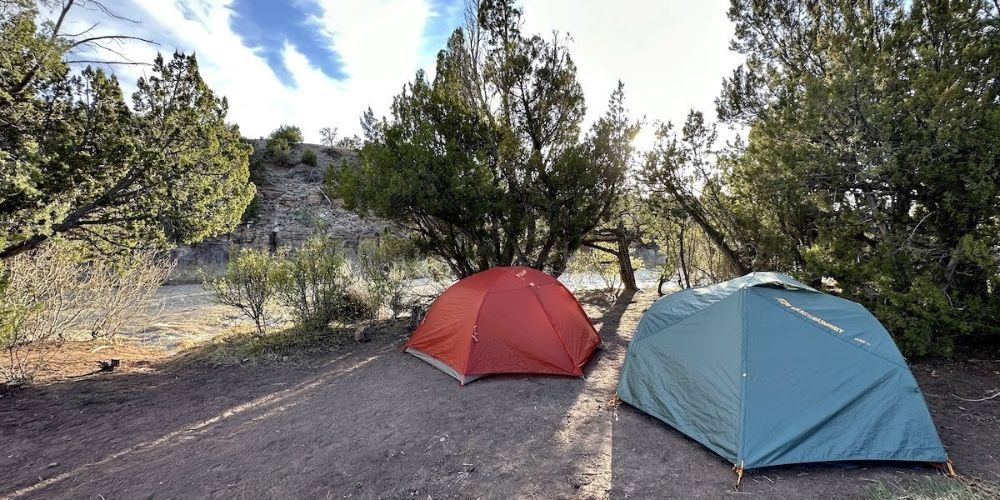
column 241, row 345
column 935, row 488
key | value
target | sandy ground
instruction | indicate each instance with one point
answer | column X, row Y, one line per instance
column 368, row 421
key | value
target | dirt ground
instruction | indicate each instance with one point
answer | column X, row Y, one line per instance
column 368, row 421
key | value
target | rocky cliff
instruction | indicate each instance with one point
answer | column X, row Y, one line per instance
column 292, row 207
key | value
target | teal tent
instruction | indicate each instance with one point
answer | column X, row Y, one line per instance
column 764, row 370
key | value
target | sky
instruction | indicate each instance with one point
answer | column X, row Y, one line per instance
column 321, row 63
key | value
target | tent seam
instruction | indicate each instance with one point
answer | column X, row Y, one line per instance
column 475, row 324
column 827, row 334
column 548, row 318
column 744, row 385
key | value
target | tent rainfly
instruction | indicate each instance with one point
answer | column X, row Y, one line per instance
column 505, row 320
column 764, row 371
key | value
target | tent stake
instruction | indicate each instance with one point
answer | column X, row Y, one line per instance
column 739, row 476
column 950, row 469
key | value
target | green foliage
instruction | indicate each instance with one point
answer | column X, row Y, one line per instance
column 258, row 177
column 353, row 143
column 485, row 164
column 385, row 268
column 288, row 133
column 248, row 284
column 682, row 177
column 594, row 263
column 872, row 156
column 317, row 283
column 308, row 158
column 252, row 211
column 76, row 161
column 314, row 281
column 13, row 318
column 280, row 143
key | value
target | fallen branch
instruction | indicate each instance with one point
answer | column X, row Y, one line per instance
column 996, row 394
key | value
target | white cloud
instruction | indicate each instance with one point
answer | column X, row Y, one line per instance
column 379, row 43
column 672, row 56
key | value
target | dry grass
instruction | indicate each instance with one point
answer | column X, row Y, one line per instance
column 242, row 346
column 936, row 488
column 194, row 275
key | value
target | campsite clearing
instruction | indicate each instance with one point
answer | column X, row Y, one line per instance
column 366, row 420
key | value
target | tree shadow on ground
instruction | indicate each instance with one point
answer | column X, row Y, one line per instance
column 361, row 419
column 70, row 429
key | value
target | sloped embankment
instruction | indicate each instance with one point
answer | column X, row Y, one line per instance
column 292, row 208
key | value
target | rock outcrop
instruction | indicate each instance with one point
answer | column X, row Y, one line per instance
column 292, row 208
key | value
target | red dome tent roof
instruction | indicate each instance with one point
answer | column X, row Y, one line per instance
column 505, row 320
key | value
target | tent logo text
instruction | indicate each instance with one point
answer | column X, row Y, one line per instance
column 805, row 313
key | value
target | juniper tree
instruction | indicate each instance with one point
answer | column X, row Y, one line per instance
column 486, row 163
column 77, row 162
column 873, row 155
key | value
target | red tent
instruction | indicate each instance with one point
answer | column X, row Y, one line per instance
column 505, row 320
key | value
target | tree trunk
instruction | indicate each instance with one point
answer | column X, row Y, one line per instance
column 23, row 246
column 694, row 210
column 625, row 261
column 659, row 284
column 683, row 264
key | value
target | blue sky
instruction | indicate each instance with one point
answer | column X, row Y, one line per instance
column 267, row 27
column 317, row 63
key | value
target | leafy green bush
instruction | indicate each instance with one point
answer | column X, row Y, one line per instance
column 13, row 316
column 308, row 157
column 248, row 284
column 253, row 209
column 385, row 268
column 313, row 281
column 280, row 143
column 319, row 285
column 289, row 133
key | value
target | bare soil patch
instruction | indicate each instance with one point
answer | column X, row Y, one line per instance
column 73, row 360
column 368, row 421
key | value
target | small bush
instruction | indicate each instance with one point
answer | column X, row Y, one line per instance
column 356, row 305
column 279, row 151
column 385, row 268
column 352, row 143
column 290, row 133
column 14, row 336
column 309, row 157
column 280, row 143
column 313, row 282
column 248, row 284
